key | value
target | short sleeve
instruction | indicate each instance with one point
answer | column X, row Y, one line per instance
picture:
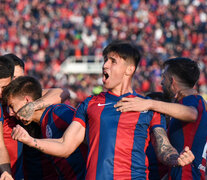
column 81, row 112
column 190, row 101
column 158, row 120
column 63, row 112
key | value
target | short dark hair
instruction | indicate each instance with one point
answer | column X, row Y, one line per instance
column 22, row 86
column 17, row 61
column 125, row 50
column 6, row 68
column 185, row 69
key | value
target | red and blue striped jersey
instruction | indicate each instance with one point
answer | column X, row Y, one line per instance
column 14, row 147
column 36, row 165
column 157, row 170
column 117, row 141
column 194, row 135
column 54, row 121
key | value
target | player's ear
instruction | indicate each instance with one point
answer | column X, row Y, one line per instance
column 130, row 70
column 28, row 99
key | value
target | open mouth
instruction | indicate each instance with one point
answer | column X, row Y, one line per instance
column 106, row 75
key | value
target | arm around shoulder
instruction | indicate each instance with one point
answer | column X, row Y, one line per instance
column 175, row 110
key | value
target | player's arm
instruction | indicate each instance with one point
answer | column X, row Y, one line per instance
column 166, row 153
column 178, row 111
column 61, row 147
column 4, row 155
column 50, row 96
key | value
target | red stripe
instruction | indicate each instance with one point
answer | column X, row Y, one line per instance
column 48, row 170
column 11, row 145
column 65, row 168
column 59, row 123
column 1, row 113
column 189, row 131
column 94, row 114
column 156, row 119
column 124, row 145
column 84, row 151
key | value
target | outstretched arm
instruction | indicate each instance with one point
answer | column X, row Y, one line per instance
column 61, row 147
column 167, row 154
column 50, row 96
column 5, row 169
column 178, row 111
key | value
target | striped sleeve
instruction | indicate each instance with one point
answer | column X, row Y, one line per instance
column 158, row 120
column 81, row 112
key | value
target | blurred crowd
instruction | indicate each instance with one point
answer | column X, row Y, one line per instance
column 45, row 33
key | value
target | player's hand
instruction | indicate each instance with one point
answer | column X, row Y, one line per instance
column 185, row 92
column 20, row 134
column 132, row 104
column 6, row 176
column 25, row 113
column 186, row 157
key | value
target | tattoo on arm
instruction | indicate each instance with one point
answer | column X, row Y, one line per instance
column 38, row 147
column 164, row 150
column 27, row 110
column 39, row 104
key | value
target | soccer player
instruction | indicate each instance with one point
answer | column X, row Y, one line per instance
column 52, row 120
column 14, row 147
column 10, row 150
column 189, row 122
column 60, row 94
column 157, row 170
column 117, row 141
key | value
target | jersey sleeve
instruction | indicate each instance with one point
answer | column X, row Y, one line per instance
column 1, row 115
column 192, row 100
column 81, row 112
column 158, row 120
column 63, row 113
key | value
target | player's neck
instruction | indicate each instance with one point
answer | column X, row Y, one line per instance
column 122, row 89
column 37, row 115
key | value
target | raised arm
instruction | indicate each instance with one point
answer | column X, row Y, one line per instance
column 178, row 111
column 50, row 96
column 62, row 147
column 5, row 169
column 167, row 154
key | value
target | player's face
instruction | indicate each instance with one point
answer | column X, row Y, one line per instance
column 3, row 83
column 18, row 71
column 15, row 103
column 167, row 84
column 114, row 69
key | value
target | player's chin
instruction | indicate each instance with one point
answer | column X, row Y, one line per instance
column 107, row 86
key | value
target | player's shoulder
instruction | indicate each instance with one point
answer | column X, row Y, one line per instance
column 61, row 107
column 192, row 100
column 95, row 98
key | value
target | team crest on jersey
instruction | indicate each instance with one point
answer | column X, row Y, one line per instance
column 48, row 132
